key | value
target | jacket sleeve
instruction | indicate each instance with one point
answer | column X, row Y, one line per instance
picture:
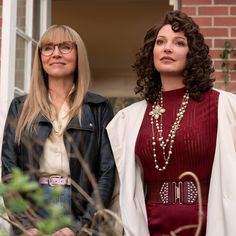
column 9, row 146
column 106, row 170
column 221, row 210
column 105, row 174
column 10, row 152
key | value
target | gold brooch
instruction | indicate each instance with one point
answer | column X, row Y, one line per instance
column 157, row 111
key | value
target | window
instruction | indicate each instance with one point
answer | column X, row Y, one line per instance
column 27, row 35
column 24, row 22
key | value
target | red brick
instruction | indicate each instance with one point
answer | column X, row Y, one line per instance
column 195, row 2
column 212, row 11
column 233, row 32
column 224, row 21
column 232, row 62
column 191, row 11
column 224, row 2
column 219, row 43
column 232, row 11
column 209, row 42
column 215, row 54
column 219, row 76
column 218, row 64
column 233, row 76
column 215, row 32
column 203, row 21
column 230, row 87
column 219, row 84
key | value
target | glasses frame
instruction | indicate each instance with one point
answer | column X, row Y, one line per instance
column 58, row 45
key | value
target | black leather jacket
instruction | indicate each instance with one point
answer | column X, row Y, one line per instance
column 87, row 138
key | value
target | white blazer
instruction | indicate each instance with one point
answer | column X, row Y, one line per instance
column 221, row 215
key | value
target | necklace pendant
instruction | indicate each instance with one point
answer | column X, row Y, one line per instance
column 165, row 144
column 156, row 112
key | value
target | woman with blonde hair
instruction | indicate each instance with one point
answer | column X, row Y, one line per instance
column 59, row 122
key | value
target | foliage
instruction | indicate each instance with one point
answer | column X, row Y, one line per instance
column 119, row 103
column 21, row 185
column 3, row 232
column 225, row 56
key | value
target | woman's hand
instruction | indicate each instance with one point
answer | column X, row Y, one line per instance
column 32, row 232
column 64, row 232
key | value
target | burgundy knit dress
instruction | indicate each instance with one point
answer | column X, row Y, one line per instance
column 168, row 206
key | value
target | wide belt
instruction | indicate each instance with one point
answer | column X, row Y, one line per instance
column 55, row 180
column 182, row 192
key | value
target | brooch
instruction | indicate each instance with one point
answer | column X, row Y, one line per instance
column 157, row 111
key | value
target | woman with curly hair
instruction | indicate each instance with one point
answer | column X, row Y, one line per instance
column 181, row 125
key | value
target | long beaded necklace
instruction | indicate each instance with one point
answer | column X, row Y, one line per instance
column 156, row 113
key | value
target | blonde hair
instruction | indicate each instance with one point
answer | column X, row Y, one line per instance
column 37, row 100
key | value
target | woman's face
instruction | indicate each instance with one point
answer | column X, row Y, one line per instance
column 59, row 60
column 170, row 51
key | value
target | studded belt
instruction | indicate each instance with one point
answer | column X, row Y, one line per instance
column 55, row 180
column 182, row 192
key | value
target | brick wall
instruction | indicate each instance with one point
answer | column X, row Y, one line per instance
column 217, row 20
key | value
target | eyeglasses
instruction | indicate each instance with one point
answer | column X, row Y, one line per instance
column 64, row 48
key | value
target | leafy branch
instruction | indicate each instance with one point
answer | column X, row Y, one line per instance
column 20, row 185
column 225, row 56
column 23, row 196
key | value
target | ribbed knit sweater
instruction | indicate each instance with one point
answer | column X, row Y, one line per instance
column 193, row 150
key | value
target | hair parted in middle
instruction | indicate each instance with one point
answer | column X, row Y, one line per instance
column 198, row 74
column 37, row 100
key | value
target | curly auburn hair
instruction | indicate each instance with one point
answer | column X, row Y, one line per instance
column 198, row 73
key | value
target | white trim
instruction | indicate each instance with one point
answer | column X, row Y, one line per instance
column 7, row 76
column 8, row 52
column 29, row 17
column 19, row 91
column 175, row 4
column 24, row 35
column 28, row 44
column 45, row 15
column 8, row 49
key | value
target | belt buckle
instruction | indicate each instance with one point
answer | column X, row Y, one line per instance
column 180, row 192
column 170, row 192
column 50, row 179
column 177, row 192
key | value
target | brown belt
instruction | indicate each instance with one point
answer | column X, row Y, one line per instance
column 55, row 180
column 182, row 192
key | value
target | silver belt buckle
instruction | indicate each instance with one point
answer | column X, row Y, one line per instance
column 177, row 192
column 180, row 192
column 50, row 179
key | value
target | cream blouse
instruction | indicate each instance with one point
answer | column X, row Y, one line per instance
column 54, row 160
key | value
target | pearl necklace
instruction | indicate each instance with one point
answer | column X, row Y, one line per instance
column 156, row 113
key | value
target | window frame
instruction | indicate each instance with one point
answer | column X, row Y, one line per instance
column 8, row 47
column 8, row 50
